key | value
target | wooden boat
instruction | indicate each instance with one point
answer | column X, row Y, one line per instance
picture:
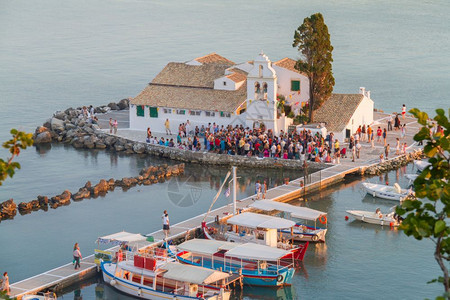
column 395, row 192
column 375, row 217
column 421, row 165
column 259, row 264
column 263, row 229
column 150, row 278
column 302, row 231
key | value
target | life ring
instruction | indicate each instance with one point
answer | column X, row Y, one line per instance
column 315, row 238
column 279, row 278
column 112, row 282
column 323, row 219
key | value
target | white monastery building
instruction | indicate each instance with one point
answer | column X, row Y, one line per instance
column 213, row 89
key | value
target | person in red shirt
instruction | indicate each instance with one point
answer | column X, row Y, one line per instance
column 379, row 132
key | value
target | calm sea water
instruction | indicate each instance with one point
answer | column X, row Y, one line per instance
column 59, row 54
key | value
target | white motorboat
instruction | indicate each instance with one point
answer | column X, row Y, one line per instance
column 302, row 231
column 375, row 217
column 421, row 165
column 388, row 192
column 150, row 278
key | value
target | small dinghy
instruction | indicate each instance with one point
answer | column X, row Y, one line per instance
column 376, row 217
column 421, row 165
column 388, row 192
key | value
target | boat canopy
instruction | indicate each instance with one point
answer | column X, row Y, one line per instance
column 257, row 252
column 206, row 247
column 192, row 274
column 121, row 238
column 253, row 220
column 304, row 213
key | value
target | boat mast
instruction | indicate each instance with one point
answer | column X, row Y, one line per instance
column 234, row 189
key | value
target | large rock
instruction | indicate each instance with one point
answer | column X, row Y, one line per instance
column 8, row 209
column 60, row 115
column 63, row 199
column 100, row 189
column 43, row 200
column 43, row 137
column 123, row 104
column 57, row 125
column 139, row 148
column 113, row 106
column 70, row 126
column 83, row 193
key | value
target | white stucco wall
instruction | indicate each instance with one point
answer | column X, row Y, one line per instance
column 284, row 77
column 363, row 115
column 157, row 124
column 224, row 83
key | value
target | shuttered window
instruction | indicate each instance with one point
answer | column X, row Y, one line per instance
column 153, row 112
column 140, row 110
column 295, row 85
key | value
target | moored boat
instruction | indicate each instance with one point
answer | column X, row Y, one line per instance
column 302, row 230
column 376, row 217
column 150, row 278
column 263, row 229
column 259, row 264
column 395, row 192
column 421, row 165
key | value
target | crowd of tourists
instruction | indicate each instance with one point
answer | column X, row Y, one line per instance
column 237, row 140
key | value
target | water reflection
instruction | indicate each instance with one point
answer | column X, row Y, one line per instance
column 43, row 149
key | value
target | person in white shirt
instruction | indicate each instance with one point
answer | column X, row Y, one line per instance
column 166, row 223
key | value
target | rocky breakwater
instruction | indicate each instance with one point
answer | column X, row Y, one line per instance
column 71, row 127
column 147, row 176
column 392, row 164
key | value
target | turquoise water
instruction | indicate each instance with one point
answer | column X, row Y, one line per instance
column 59, row 54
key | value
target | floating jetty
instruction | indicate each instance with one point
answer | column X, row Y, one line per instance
column 65, row 275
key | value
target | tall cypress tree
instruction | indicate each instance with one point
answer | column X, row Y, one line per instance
column 313, row 42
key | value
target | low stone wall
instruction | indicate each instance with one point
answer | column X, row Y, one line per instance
column 392, row 164
column 67, row 127
column 147, row 176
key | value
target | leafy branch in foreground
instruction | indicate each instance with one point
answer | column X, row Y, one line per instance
column 428, row 216
column 20, row 140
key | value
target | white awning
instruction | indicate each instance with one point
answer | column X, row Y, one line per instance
column 253, row 220
column 121, row 238
column 257, row 252
column 304, row 213
column 206, row 247
column 192, row 274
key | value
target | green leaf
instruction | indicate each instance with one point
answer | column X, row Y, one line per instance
column 439, row 226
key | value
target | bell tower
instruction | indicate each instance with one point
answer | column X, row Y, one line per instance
column 261, row 94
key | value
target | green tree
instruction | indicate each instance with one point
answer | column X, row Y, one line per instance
column 427, row 217
column 20, row 140
column 313, row 42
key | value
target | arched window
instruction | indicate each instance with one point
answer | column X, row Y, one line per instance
column 260, row 71
column 257, row 87
column 264, row 90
